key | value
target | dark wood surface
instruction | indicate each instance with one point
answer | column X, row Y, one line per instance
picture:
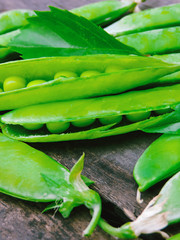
column 109, row 162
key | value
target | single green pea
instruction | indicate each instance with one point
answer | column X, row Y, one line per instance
column 65, row 74
column 35, row 82
column 163, row 111
column 112, row 68
column 57, row 127
column 32, row 126
column 90, row 73
column 83, row 122
column 14, row 82
column 1, row 90
column 110, row 120
column 136, row 117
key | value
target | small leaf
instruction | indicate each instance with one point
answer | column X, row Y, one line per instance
column 61, row 33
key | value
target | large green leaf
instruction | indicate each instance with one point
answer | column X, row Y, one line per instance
column 60, row 33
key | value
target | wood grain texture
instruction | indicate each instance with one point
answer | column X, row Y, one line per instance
column 109, row 162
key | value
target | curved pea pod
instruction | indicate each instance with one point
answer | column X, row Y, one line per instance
column 160, row 160
column 161, row 17
column 109, row 106
column 159, row 41
column 29, row 174
column 162, row 211
column 105, row 12
column 120, row 80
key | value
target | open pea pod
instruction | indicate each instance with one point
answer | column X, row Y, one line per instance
column 159, row 161
column 162, row 211
column 158, row 41
column 114, row 74
column 161, row 17
column 136, row 106
column 29, row 174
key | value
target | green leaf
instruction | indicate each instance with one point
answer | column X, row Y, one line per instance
column 60, row 33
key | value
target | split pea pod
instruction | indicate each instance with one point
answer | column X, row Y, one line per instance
column 159, row 161
column 156, row 18
column 158, row 41
column 114, row 74
column 162, row 211
column 135, row 103
column 29, row 174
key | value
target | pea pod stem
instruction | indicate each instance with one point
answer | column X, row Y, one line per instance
column 163, row 210
column 31, row 175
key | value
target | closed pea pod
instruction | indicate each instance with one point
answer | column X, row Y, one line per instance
column 159, row 41
column 160, row 160
column 162, row 211
column 80, row 87
column 31, row 175
column 105, row 107
column 155, row 18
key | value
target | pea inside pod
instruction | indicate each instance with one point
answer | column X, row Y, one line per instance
column 78, row 87
column 29, row 174
column 108, row 109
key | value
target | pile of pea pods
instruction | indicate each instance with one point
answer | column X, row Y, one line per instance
column 53, row 99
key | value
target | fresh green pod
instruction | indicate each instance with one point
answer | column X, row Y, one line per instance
column 82, row 109
column 105, row 12
column 4, row 40
column 159, row 161
column 29, row 174
column 170, row 58
column 146, row 71
column 162, row 211
column 14, row 19
column 159, row 41
column 161, row 17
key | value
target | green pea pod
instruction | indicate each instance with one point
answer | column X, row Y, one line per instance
column 105, row 12
column 108, row 106
column 175, row 237
column 170, row 58
column 79, row 87
column 14, row 19
column 159, row 41
column 29, row 174
column 161, row 17
column 162, row 211
column 4, row 40
column 159, row 161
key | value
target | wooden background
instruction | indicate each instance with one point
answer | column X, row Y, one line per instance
column 109, row 162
